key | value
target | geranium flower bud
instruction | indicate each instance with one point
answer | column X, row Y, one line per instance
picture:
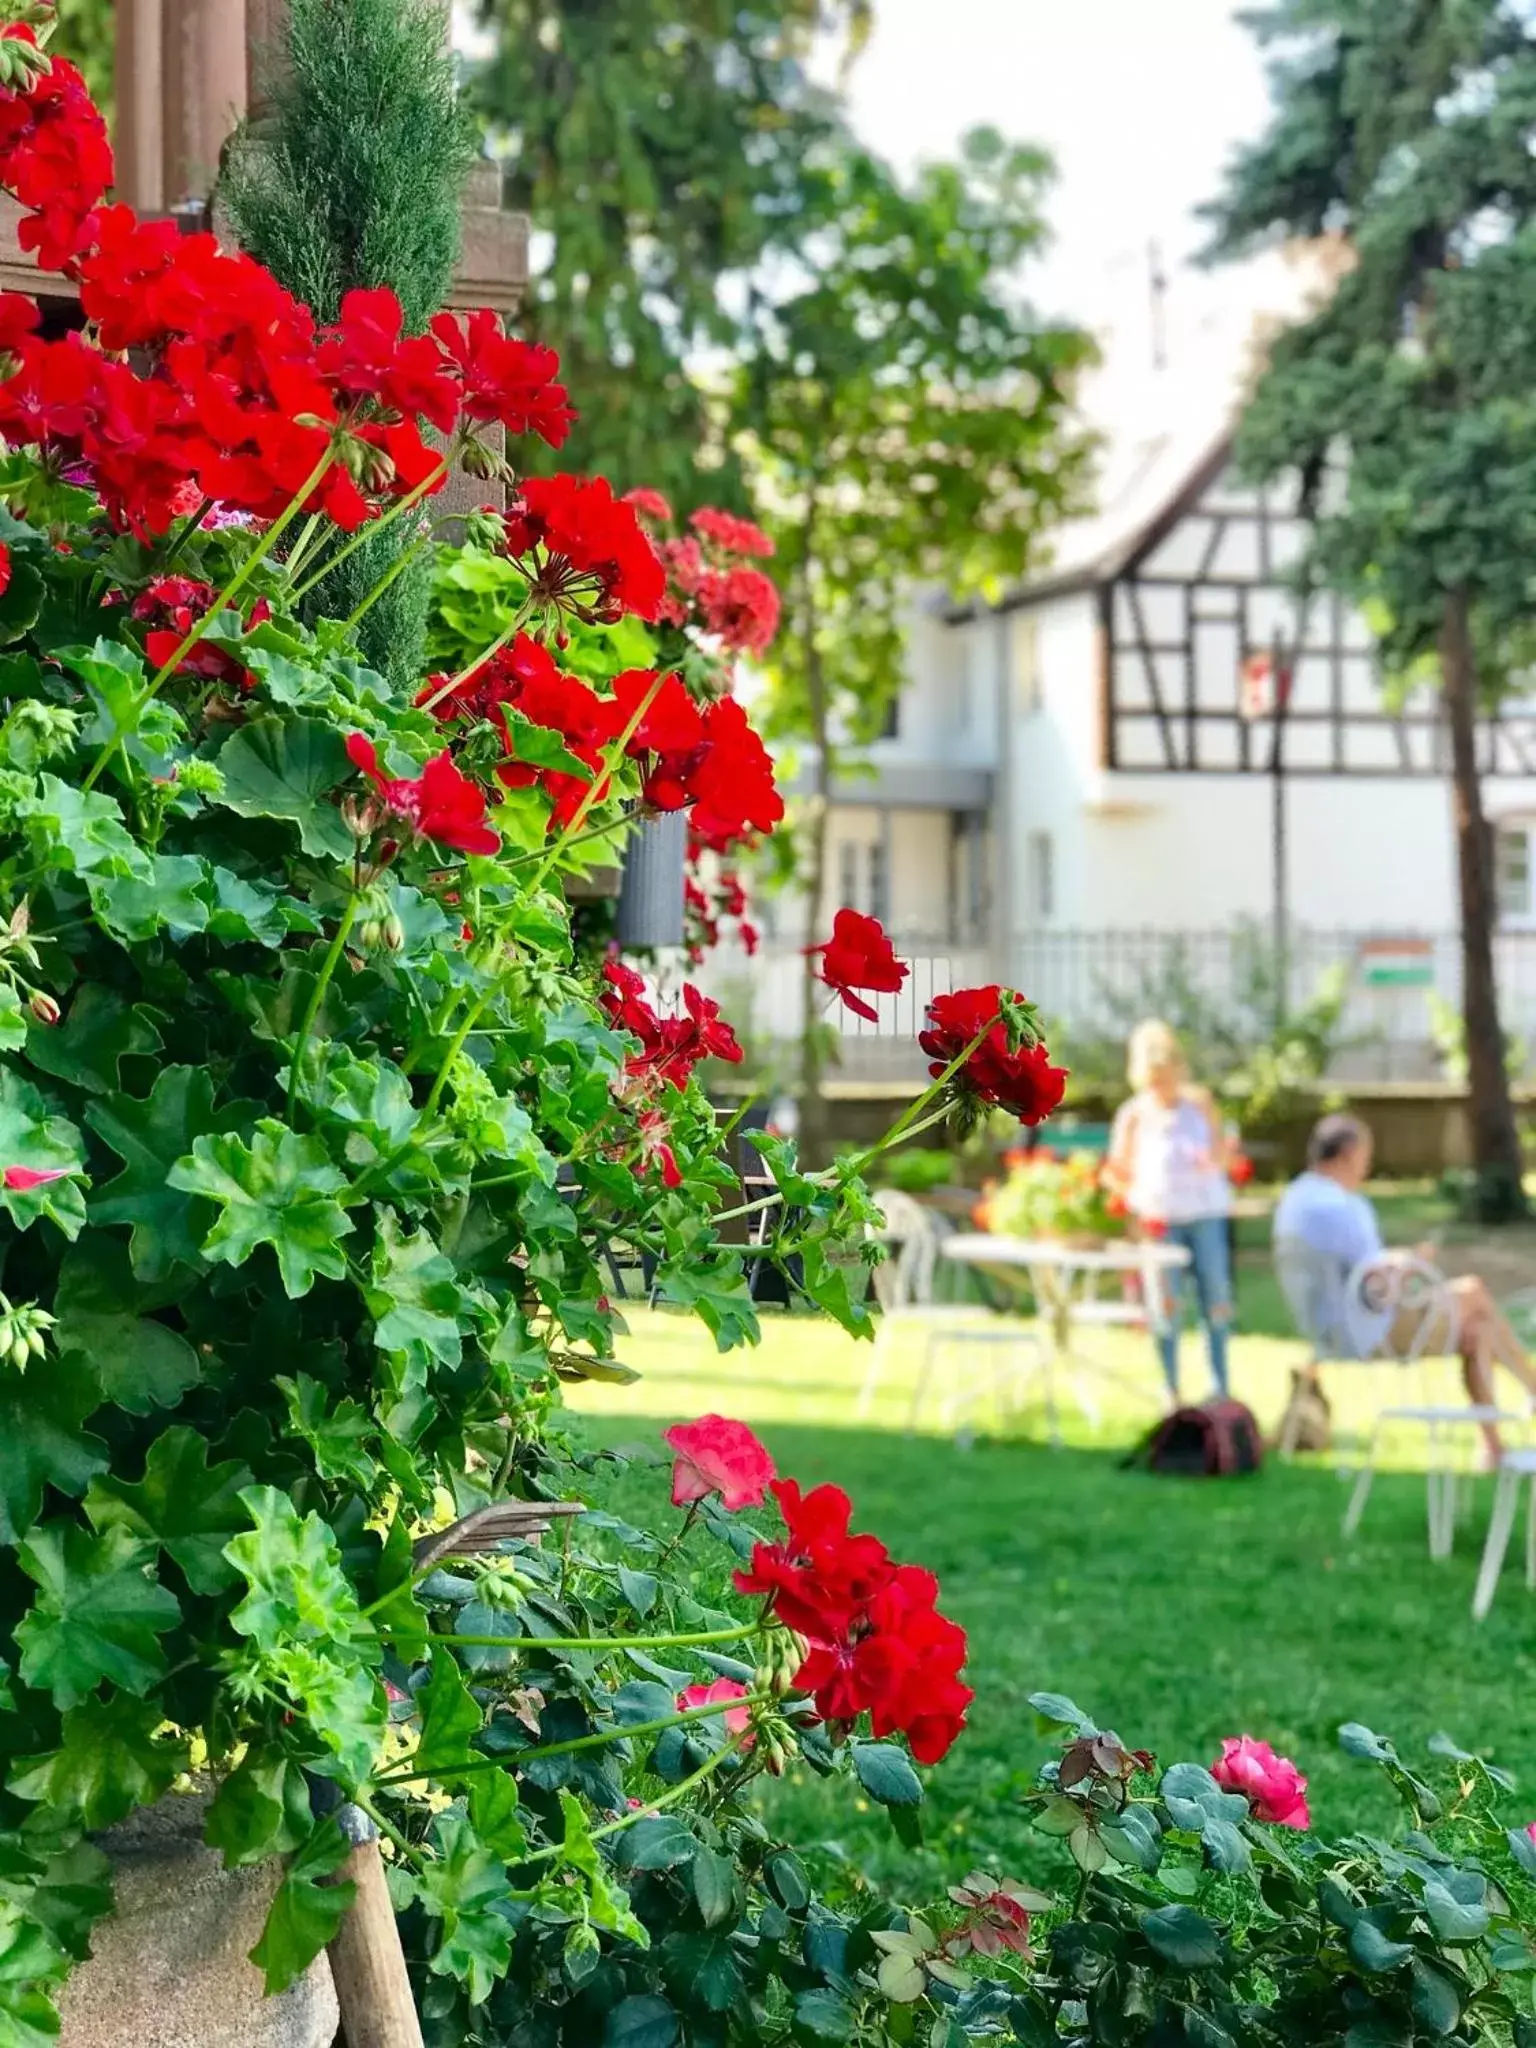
column 394, row 934
column 361, row 815
column 43, row 1007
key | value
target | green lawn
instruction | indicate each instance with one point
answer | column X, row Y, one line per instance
column 1176, row 1612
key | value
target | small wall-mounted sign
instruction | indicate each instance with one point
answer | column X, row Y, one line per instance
column 1396, row 963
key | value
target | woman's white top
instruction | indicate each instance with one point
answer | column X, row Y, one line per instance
column 1174, row 1177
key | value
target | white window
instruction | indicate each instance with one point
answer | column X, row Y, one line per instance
column 1024, row 645
column 1040, row 877
column 1512, row 871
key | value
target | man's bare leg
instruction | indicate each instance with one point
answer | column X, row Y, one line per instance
column 1486, row 1338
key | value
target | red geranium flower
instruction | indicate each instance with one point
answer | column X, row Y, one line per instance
column 731, row 535
column 506, row 380
column 649, row 504
column 440, row 803
column 584, row 549
column 733, row 788
column 741, row 607
column 5, row 568
column 716, row 1455
column 860, row 955
column 1023, row 1082
column 172, row 606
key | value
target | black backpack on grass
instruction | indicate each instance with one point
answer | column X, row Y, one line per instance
column 1218, row 1440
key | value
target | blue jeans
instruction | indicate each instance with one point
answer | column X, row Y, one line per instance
column 1210, row 1265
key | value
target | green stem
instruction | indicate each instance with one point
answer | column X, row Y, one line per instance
column 406, row 1772
column 390, row 576
column 683, row 1642
column 455, row 1047
column 610, row 762
column 657, row 1805
column 317, row 995
column 232, row 589
column 190, row 525
column 525, row 860
column 903, row 1125
column 375, row 527
column 387, row 1827
column 748, row 1208
column 519, row 620
column 301, row 547
column 903, row 1131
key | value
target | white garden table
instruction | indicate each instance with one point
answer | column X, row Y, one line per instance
column 1065, row 1280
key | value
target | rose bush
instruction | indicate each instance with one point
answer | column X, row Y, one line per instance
column 324, row 1159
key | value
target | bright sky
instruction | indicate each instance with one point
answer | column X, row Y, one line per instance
column 1139, row 101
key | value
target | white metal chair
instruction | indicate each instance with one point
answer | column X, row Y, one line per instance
column 1391, row 1314
column 904, row 1289
column 1516, row 1469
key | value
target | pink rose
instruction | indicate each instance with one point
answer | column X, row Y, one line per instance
column 1272, row 1785
column 736, row 1719
column 715, row 1455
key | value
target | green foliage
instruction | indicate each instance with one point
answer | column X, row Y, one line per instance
column 661, row 147
column 353, row 179
column 86, row 31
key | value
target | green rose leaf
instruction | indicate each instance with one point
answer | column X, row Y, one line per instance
column 39, row 1143
column 661, row 1842
column 701, row 1970
column 1436, row 2000
column 886, row 1775
column 306, row 1911
column 1456, row 1905
column 98, row 1613
column 284, row 768
column 110, row 1759
column 641, row 2022
column 140, row 1364
column 275, row 1191
column 190, row 1508
column 464, row 1889
column 1182, row 1937
column 42, row 1441
column 1373, row 1948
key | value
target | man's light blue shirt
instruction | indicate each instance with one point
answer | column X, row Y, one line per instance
column 1329, row 1220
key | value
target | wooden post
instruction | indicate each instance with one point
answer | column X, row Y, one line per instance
column 139, row 143
column 205, row 92
column 373, row 1988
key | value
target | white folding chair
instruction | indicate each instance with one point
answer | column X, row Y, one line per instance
column 904, row 1289
column 1392, row 1314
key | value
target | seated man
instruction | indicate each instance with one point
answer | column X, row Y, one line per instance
column 1324, row 1210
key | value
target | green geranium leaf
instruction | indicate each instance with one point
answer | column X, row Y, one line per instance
column 450, row 1718
column 284, row 768
column 71, row 1895
column 97, row 1034
column 608, row 1906
column 292, row 1566
column 98, row 1613
column 277, row 1191
column 414, row 1297
column 110, row 1759
column 306, row 1911
column 464, row 1889
column 261, row 1810
column 337, row 1435
column 149, row 1136
column 81, row 832
column 190, row 1508
column 42, row 1441
column 254, row 911
column 140, row 1364
column 39, row 1143
column 13, row 1020
column 173, row 898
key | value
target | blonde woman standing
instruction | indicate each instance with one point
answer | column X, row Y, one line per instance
column 1169, row 1156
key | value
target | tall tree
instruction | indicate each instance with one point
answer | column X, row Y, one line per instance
column 353, row 179
column 1408, row 401
column 904, row 416
column 658, row 147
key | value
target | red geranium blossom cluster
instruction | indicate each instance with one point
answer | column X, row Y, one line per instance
column 859, row 955
column 233, row 394
column 709, row 901
column 171, row 607
column 704, row 758
column 583, row 549
column 1022, row 1081
column 708, row 585
column 54, row 154
column 878, row 1643
column 441, row 803
column 670, row 1047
